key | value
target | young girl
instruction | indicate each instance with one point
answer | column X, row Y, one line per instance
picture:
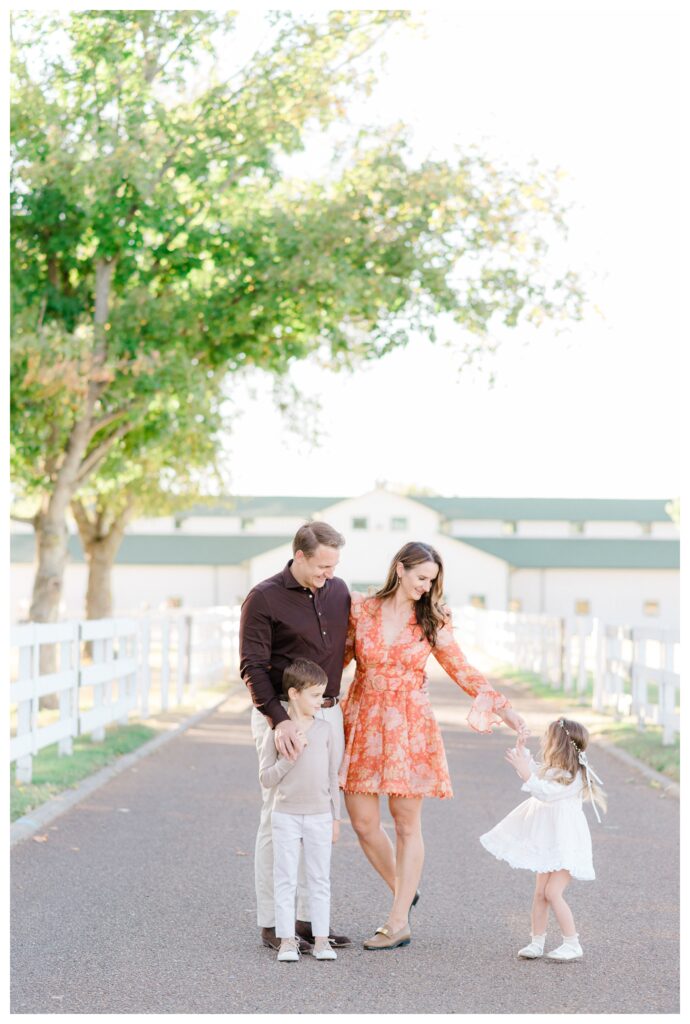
column 549, row 833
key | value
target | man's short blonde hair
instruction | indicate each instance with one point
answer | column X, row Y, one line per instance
column 309, row 536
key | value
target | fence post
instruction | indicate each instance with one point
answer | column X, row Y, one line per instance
column 188, row 623
column 68, row 699
column 667, row 695
column 582, row 657
column 600, row 664
column 165, row 662
column 98, row 656
column 181, row 656
column 144, row 668
column 124, row 686
column 543, row 651
column 28, row 669
column 639, row 681
column 566, row 655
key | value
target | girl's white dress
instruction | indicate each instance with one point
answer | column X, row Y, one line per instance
column 548, row 832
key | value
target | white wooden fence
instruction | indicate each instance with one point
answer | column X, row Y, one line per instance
column 183, row 650
column 630, row 671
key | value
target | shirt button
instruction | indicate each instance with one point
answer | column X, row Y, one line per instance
column 324, row 632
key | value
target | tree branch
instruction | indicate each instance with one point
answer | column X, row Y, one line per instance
column 109, row 418
column 31, row 520
column 81, row 517
column 95, row 457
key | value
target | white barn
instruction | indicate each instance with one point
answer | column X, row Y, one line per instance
column 617, row 559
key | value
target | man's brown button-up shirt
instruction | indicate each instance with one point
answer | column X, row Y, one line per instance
column 281, row 620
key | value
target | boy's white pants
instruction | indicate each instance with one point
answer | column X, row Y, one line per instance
column 312, row 834
column 263, row 850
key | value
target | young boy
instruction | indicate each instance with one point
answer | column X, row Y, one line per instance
column 306, row 810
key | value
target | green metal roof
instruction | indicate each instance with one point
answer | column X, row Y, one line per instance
column 578, row 510
column 580, row 553
column 520, row 552
column 165, row 549
column 512, row 509
column 249, row 507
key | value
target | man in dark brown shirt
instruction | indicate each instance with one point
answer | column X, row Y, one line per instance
column 301, row 612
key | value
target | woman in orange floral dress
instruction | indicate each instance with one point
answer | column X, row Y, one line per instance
column 393, row 744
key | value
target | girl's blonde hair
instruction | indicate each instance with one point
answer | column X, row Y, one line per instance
column 561, row 745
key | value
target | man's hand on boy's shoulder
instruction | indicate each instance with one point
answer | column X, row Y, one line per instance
column 289, row 739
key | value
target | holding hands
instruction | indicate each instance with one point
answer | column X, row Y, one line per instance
column 516, row 722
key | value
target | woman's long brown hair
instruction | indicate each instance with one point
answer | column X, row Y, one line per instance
column 429, row 610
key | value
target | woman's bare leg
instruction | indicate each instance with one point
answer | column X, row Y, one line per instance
column 409, row 856
column 540, row 904
column 555, row 887
column 365, row 818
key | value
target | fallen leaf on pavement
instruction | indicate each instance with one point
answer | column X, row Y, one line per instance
column 40, row 839
column 241, row 853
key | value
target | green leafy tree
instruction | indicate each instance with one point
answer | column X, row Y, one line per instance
column 153, row 230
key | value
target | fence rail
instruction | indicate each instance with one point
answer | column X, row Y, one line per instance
column 100, row 671
column 629, row 671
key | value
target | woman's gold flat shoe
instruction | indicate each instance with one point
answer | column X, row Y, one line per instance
column 384, row 938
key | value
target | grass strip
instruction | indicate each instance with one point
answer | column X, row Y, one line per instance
column 52, row 773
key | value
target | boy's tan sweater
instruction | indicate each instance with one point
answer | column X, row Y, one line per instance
column 308, row 785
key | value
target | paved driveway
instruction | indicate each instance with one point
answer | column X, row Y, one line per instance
column 141, row 900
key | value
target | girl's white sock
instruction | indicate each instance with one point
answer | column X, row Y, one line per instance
column 539, row 940
column 571, row 940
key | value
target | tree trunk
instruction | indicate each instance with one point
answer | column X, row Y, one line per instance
column 101, row 544
column 99, row 596
column 51, row 522
column 51, row 553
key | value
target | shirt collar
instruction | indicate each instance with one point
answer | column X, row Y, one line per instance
column 292, row 584
column 289, row 580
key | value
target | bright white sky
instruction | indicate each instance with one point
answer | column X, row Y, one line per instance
column 590, row 413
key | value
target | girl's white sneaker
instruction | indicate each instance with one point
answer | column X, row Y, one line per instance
column 571, row 950
column 324, row 953
column 289, row 950
column 531, row 951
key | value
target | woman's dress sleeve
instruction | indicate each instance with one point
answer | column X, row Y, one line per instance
column 487, row 701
